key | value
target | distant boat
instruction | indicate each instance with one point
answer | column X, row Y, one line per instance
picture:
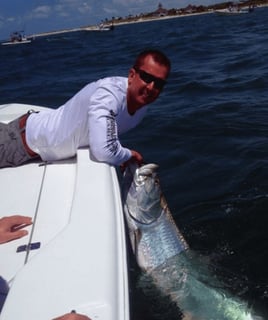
column 233, row 10
column 17, row 37
column 105, row 27
column 100, row 27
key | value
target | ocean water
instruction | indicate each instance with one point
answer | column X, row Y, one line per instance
column 208, row 131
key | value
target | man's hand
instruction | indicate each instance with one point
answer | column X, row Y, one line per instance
column 10, row 227
column 136, row 157
column 72, row 316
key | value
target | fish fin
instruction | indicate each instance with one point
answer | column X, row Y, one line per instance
column 188, row 316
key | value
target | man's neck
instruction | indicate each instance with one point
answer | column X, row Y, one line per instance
column 131, row 110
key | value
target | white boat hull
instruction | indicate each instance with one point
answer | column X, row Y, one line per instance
column 81, row 263
column 231, row 12
column 15, row 42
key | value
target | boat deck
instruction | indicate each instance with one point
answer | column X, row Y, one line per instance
column 78, row 223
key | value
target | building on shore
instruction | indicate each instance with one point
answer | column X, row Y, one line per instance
column 160, row 12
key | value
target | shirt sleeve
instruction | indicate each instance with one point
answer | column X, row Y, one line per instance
column 103, row 135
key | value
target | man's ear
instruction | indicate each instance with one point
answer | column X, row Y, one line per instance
column 131, row 74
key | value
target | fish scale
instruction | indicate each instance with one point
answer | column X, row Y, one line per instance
column 158, row 243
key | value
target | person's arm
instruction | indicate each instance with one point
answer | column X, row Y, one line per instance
column 11, row 227
column 103, row 135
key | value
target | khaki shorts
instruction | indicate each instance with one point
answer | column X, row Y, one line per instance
column 12, row 149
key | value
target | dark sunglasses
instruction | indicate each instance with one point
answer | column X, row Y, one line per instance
column 148, row 78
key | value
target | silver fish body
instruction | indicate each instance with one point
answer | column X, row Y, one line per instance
column 162, row 252
column 153, row 232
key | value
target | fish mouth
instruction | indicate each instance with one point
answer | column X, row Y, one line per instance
column 139, row 210
column 139, row 172
column 145, row 170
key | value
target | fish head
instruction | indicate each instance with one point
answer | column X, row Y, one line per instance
column 142, row 193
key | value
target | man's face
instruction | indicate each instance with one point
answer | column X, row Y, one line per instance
column 145, row 84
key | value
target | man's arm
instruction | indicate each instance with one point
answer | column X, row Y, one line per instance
column 103, row 134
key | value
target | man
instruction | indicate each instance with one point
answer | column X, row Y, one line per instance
column 94, row 117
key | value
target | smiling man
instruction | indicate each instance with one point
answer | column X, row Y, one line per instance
column 94, row 117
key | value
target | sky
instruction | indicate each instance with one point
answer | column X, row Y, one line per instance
column 36, row 16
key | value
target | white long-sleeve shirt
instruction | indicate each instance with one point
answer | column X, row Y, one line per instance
column 94, row 117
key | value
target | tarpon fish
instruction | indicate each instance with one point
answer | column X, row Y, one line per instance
column 162, row 252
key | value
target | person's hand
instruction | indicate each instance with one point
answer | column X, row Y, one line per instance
column 136, row 157
column 10, row 227
column 72, row 316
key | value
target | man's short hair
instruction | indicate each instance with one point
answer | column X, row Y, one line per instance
column 157, row 55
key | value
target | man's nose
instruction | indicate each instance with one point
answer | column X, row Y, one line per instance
column 150, row 85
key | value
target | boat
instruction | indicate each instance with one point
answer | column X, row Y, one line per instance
column 17, row 37
column 105, row 27
column 74, row 257
column 101, row 27
column 234, row 10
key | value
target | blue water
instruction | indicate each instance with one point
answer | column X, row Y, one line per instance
column 208, row 131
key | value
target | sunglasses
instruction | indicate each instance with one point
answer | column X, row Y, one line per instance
column 149, row 78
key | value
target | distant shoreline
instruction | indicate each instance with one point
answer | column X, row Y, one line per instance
column 96, row 27
column 139, row 20
column 116, row 23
